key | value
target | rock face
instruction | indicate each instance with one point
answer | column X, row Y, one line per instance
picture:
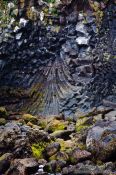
column 57, row 49
column 23, row 166
column 32, row 54
column 101, row 140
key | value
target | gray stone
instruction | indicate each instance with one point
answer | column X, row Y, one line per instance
column 82, row 40
column 80, row 27
column 101, row 140
column 111, row 116
column 52, row 149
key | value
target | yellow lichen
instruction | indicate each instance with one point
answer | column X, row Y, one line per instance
column 37, row 149
column 56, row 125
column 29, row 118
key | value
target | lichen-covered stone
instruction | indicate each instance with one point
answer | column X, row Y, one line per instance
column 54, row 166
column 78, row 155
column 2, row 121
column 61, row 155
column 29, row 118
column 23, row 166
column 83, row 123
column 52, row 149
column 56, row 125
column 101, row 140
column 38, row 149
column 3, row 112
column 65, row 145
column 5, row 162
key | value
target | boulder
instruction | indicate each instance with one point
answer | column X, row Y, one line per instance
column 80, row 27
column 23, row 166
column 101, row 140
column 5, row 162
column 86, row 167
column 64, row 134
column 52, row 149
column 3, row 113
column 78, row 155
column 55, row 125
column 62, row 156
column 111, row 116
column 2, row 121
column 29, row 118
column 54, row 166
column 65, row 145
column 83, row 123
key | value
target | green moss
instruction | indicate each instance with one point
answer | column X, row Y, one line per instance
column 81, row 146
column 29, row 118
column 42, row 123
column 2, row 121
column 3, row 112
column 53, row 157
column 56, row 125
column 5, row 156
column 37, row 149
column 65, row 145
column 81, row 128
column 99, row 162
column 82, row 124
column 48, row 168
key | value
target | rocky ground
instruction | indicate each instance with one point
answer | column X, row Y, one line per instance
column 55, row 145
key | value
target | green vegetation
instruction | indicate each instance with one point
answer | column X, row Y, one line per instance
column 82, row 124
column 29, row 118
column 37, row 149
column 3, row 112
column 56, row 125
column 2, row 121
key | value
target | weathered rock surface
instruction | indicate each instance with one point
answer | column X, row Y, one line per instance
column 101, row 140
column 23, row 166
column 5, row 161
column 78, row 155
column 52, row 149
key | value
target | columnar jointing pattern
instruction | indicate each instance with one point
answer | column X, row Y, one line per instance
column 60, row 70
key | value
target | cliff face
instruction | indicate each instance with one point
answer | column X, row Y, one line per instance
column 59, row 63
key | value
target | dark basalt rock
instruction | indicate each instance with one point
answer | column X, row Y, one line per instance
column 101, row 140
column 51, row 149
column 55, row 68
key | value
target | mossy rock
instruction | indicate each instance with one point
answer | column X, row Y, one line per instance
column 30, row 118
column 2, row 121
column 3, row 113
column 65, row 145
column 56, row 125
column 61, row 155
column 83, row 123
column 81, row 146
column 42, row 123
column 38, row 149
column 5, row 160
